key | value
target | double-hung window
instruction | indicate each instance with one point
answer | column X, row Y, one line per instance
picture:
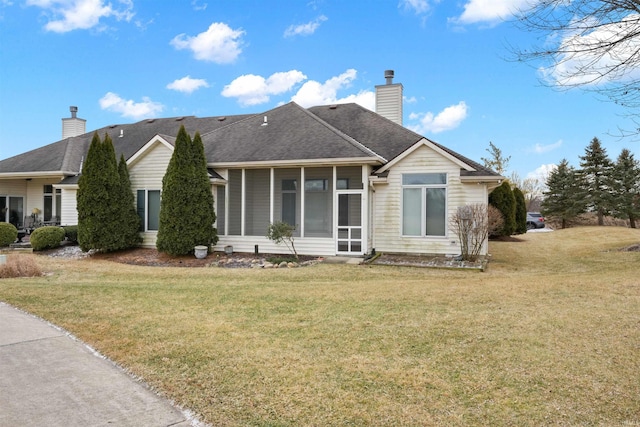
column 424, row 204
column 148, row 204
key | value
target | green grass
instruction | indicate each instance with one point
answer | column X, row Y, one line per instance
column 548, row 335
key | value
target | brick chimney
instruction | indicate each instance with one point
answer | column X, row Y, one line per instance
column 389, row 99
column 73, row 126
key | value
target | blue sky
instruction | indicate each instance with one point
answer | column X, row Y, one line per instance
column 121, row 61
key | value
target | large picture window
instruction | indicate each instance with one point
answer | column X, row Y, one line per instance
column 424, row 204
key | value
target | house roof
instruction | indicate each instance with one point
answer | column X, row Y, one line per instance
column 66, row 155
column 287, row 133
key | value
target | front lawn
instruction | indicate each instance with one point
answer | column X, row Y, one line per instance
column 548, row 335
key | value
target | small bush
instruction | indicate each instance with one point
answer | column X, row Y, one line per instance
column 8, row 233
column 71, row 233
column 20, row 265
column 46, row 238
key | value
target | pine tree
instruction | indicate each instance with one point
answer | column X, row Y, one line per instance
column 503, row 199
column 130, row 221
column 596, row 179
column 521, row 211
column 186, row 207
column 562, row 199
column 626, row 179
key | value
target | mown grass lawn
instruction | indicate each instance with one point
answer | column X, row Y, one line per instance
column 548, row 335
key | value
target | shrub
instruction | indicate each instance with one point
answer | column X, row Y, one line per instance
column 8, row 233
column 521, row 211
column 71, row 233
column 281, row 232
column 186, row 207
column 502, row 198
column 46, row 237
column 20, row 265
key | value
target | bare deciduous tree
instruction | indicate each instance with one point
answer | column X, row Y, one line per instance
column 590, row 44
column 473, row 224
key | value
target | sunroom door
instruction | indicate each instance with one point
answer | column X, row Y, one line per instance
column 349, row 232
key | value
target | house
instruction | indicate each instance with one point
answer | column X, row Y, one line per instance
column 349, row 179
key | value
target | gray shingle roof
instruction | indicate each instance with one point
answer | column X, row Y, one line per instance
column 291, row 133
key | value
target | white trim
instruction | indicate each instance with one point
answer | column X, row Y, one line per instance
column 48, row 174
column 431, row 145
column 146, row 147
column 297, row 162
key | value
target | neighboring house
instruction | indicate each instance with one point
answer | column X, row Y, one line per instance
column 350, row 180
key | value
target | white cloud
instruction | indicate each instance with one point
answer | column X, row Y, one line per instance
column 542, row 172
column 585, row 62
column 489, row 11
column 305, row 29
column 69, row 15
column 198, row 6
column 418, row 6
column 129, row 108
column 187, row 84
column 251, row 89
column 540, row 149
column 447, row 119
column 315, row 93
column 220, row 43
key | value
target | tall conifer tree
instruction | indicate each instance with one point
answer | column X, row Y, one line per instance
column 626, row 180
column 562, row 198
column 596, row 168
column 130, row 221
column 186, row 207
column 99, row 198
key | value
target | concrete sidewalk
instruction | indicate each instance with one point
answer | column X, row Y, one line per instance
column 48, row 378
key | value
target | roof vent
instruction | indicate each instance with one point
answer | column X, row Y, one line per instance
column 121, row 133
column 151, row 120
column 222, row 119
column 265, row 122
column 333, row 107
column 179, row 119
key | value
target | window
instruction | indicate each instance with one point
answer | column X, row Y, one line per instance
column 148, row 206
column 48, row 202
column 12, row 210
column 424, row 204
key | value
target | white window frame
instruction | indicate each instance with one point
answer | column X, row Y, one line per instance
column 423, row 195
column 145, row 225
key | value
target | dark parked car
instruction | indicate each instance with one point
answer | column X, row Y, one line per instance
column 534, row 220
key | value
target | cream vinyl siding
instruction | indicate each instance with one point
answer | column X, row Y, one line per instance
column 69, row 212
column 388, row 205
column 306, row 246
column 146, row 173
column 14, row 187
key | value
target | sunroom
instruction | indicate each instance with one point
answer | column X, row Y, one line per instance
column 327, row 205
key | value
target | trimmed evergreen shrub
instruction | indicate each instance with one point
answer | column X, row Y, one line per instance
column 521, row 211
column 48, row 237
column 502, row 198
column 129, row 219
column 71, row 233
column 104, row 204
column 8, row 233
column 186, row 207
